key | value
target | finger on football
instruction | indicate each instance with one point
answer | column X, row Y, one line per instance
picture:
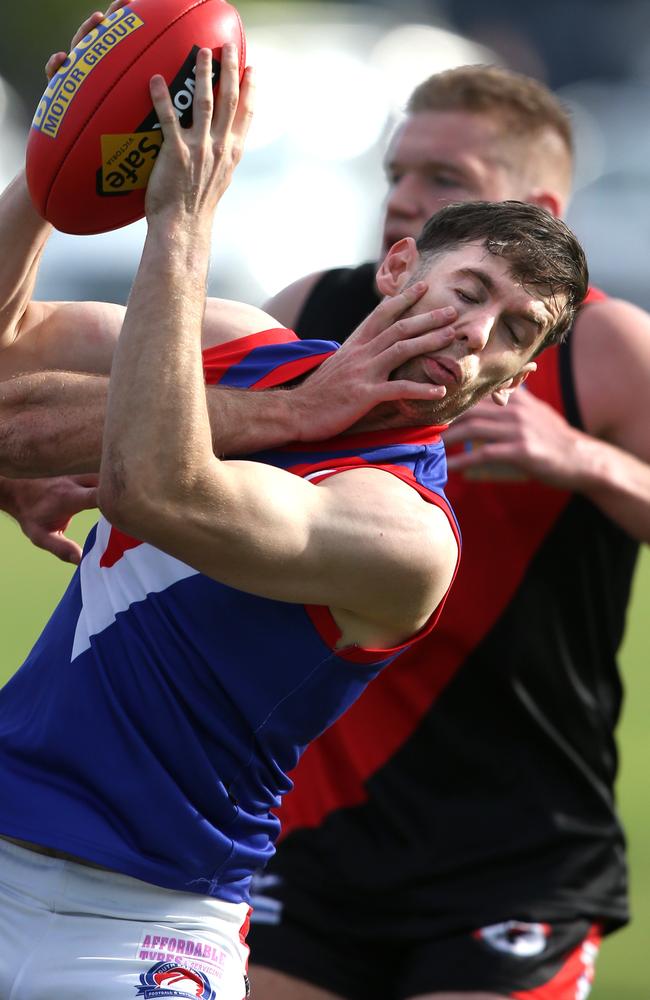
column 228, row 93
column 202, row 107
column 54, row 64
column 163, row 106
column 116, row 6
column 84, row 29
column 246, row 105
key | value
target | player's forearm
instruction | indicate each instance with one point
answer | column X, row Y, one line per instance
column 51, row 424
column 155, row 457
column 23, row 235
column 244, row 422
column 615, row 481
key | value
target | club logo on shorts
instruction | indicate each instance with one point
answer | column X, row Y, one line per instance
column 168, row 979
column 513, row 937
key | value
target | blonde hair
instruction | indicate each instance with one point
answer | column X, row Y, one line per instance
column 524, row 106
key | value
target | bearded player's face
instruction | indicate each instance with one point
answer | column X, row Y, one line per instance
column 500, row 327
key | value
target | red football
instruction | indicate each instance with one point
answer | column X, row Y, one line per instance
column 95, row 135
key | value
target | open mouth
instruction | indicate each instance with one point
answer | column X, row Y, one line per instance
column 442, row 372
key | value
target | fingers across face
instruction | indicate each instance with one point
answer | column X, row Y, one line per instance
column 420, row 334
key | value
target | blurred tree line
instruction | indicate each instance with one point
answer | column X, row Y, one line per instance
column 32, row 31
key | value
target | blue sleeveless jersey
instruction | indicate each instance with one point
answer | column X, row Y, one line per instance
column 152, row 727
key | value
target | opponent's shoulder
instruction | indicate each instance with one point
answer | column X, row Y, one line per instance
column 600, row 320
column 611, row 364
column 226, row 319
column 288, row 304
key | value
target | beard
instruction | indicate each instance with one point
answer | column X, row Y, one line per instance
column 420, row 412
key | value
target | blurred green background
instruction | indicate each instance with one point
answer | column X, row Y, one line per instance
column 33, row 580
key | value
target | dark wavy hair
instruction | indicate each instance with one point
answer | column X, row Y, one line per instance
column 540, row 249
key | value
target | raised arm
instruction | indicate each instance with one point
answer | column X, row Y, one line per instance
column 41, row 335
column 38, row 335
column 365, row 543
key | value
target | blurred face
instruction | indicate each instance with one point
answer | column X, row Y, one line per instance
column 500, row 326
column 440, row 157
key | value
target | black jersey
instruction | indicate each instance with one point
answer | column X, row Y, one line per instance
column 473, row 781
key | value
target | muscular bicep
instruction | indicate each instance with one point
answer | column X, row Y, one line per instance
column 81, row 336
column 611, row 368
column 362, row 541
column 64, row 336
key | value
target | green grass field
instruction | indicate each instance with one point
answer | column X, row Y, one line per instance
column 32, row 581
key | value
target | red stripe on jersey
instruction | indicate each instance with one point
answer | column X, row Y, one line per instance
column 398, row 699
column 425, row 435
column 118, row 544
column 290, row 370
column 594, row 295
column 219, row 358
column 574, row 979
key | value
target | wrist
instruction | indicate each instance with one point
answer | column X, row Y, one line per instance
column 8, row 496
column 590, row 463
column 177, row 246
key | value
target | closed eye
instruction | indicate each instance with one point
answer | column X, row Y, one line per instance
column 513, row 335
column 465, row 297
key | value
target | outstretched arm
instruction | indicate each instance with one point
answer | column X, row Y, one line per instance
column 51, row 422
column 364, row 543
column 79, row 336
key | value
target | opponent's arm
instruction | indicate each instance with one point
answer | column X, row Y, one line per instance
column 51, row 423
column 608, row 462
column 364, row 543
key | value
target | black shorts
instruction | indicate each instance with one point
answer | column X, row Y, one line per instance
column 520, row 960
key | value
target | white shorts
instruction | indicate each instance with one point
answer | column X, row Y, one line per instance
column 70, row 932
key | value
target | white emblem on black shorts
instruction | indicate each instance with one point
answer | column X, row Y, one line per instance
column 516, row 938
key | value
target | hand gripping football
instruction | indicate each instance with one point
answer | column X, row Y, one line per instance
column 95, row 137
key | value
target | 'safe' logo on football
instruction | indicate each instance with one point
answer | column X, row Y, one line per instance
column 128, row 159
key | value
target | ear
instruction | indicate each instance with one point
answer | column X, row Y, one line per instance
column 502, row 393
column 398, row 266
column 549, row 200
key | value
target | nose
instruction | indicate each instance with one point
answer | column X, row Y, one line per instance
column 475, row 328
column 405, row 198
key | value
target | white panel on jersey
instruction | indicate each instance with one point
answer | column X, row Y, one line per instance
column 107, row 590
